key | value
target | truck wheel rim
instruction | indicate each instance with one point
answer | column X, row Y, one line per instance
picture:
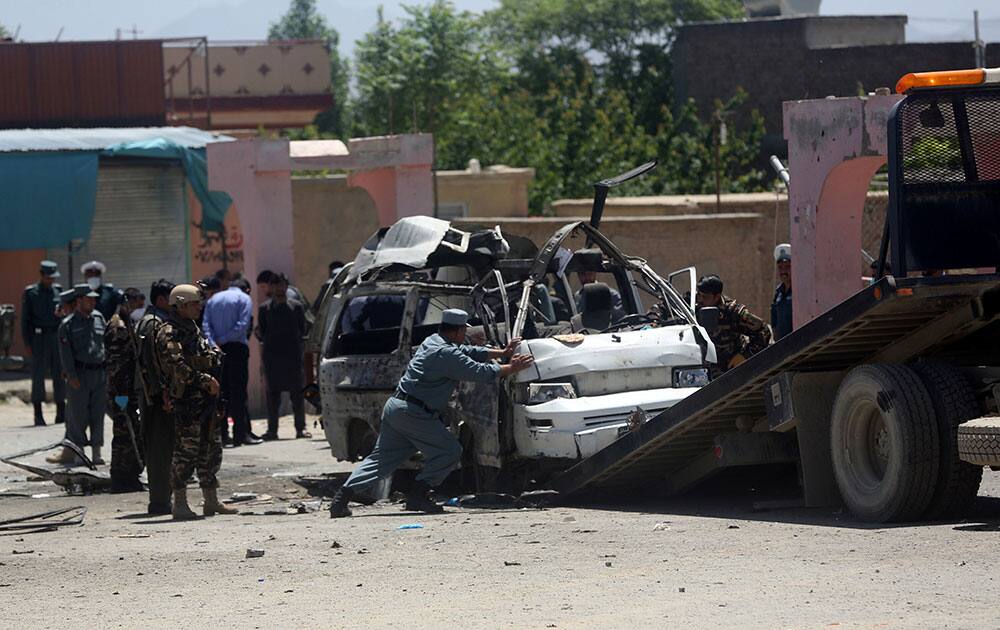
column 868, row 445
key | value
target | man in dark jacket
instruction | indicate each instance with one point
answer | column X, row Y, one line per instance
column 39, row 323
column 281, row 328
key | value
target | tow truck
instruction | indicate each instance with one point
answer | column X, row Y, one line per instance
column 888, row 402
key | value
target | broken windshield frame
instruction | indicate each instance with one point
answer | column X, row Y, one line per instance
column 656, row 286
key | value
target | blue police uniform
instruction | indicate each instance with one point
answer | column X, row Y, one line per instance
column 39, row 323
column 81, row 349
column 411, row 417
column 781, row 311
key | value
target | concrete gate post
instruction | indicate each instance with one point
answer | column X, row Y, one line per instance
column 835, row 146
column 257, row 174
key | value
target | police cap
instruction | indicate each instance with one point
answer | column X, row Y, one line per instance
column 783, row 253
column 84, row 290
column 710, row 284
column 49, row 268
column 67, row 296
column 93, row 265
column 184, row 294
column 454, row 317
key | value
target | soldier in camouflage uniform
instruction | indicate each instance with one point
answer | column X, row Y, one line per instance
column 740, row 333
column 157, row 424
column 120, row 353
column 191, row 395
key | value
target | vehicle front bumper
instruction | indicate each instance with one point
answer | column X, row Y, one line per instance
column 579, row 427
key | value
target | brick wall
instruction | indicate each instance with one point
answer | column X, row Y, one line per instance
column 773, row 61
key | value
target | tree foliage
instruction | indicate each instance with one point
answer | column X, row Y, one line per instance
column 578, row 89
column 303, row 21
column 4, row 33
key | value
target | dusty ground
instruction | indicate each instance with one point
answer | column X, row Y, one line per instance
column 704, row 561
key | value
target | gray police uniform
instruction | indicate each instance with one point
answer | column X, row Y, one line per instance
column 39, row 324
column 81, row 349
column 411, row 418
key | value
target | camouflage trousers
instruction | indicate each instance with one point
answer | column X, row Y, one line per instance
column 125, row 462
column 197, row 446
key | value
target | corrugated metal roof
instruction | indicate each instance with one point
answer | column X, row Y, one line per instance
column 99, row 139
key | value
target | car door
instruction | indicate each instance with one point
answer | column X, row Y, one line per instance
column 362, row 366
column 685, row 282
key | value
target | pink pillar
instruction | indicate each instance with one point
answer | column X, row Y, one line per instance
column 257, row 174
column 395, row 170
column 834, row 147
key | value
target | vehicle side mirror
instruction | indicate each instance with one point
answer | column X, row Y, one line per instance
column 708, row 318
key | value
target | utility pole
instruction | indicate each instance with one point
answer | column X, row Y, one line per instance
column 978, row 45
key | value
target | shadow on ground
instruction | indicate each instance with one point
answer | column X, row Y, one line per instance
column 737, row 494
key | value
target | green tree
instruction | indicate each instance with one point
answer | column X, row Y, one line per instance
column 4, row 33
column 629, row 41
column 526, row 85
column 302, row 21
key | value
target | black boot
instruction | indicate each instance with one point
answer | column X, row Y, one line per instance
column 60, row 412
column 339, row 509
column 156, row 509
column 418, row 501
column 39, row 420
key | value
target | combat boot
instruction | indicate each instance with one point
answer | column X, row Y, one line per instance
column 60, row 412
column 213, row 505
column 418, row 501
column 39, row 420
column 339, row 509
column 181, row 511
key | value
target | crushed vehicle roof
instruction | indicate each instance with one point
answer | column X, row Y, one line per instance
column 421, row 242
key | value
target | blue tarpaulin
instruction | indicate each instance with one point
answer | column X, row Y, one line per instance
column 213, row 204
column 46, row 199
column 48, row 178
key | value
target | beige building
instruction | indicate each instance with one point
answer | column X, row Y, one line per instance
column 494, row 191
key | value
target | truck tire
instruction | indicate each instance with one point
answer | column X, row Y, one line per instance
column 979, row 442
column 884, row 443
column 954, row 402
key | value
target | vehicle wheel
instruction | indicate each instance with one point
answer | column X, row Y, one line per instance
column 954, row 402
column 362, row 439
column 884, row 443
column 979, row 442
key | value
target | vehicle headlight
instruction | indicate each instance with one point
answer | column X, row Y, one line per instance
column 691, row 377
column 544, row 392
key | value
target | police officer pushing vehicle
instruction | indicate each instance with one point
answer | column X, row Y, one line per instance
column 411, row 417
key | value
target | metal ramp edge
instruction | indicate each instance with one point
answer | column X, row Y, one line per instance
column 864, row 326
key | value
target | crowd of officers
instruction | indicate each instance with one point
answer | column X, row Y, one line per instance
column 151, row 369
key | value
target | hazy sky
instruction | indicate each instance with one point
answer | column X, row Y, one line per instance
column 248, row 19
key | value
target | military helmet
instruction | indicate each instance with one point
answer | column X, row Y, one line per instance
column 184, row 294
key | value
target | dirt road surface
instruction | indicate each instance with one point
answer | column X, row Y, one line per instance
column 705, row 561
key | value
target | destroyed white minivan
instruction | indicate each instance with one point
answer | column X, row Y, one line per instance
column 608, row 354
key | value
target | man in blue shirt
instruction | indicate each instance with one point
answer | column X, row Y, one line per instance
column 227, row 325
column 411, row 417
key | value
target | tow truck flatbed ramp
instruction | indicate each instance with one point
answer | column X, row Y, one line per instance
column 889, row 322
